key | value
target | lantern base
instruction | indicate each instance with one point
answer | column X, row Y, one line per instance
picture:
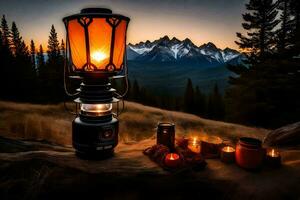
column 94, row 138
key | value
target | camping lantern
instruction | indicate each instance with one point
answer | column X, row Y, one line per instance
column 96, row 54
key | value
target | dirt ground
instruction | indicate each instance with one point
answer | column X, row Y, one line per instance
column 35, row 170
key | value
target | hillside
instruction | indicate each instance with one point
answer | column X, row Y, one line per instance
column 53, row 124
column 41, row 170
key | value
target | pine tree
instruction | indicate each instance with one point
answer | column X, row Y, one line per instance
column 259, row 24
column 51, row 75
column 40, row 59
column 5, row 33
column 295, row 35
column 6, row 59
column 189, row 97
column 33, row 53
column 200, row 102
column 219, row 110
column 18, row 46
column 62, row 48
column 284, row 32
column 266, row 95
column 215, row 104
column 53, row 45
column 1, row 43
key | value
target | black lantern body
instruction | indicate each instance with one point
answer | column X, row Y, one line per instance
column 96, row 45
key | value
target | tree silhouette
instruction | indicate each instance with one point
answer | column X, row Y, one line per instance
column 286, row 26
column 260, row 20
column 53, row 45
column 40, row 59
column 63, row 48
column 200, row 102
column 295, row 35
column 33, row 54
column 189, row 97
column 51, row 74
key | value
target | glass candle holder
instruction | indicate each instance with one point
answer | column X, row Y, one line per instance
column 273, row 158
column 228, row 154
column 194, row 145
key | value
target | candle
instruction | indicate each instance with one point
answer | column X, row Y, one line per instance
column 210, row 146
column 194, row 145
column 273, row 158
column 172, row 160
column 227, row 154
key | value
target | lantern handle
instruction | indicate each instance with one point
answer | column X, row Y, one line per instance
column 123, row 105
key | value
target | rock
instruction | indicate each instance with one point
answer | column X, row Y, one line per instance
column 288, row 136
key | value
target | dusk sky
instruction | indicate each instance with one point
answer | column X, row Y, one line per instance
column 202, row 21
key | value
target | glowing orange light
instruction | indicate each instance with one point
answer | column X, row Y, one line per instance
column 194, row 145
column 98, row 56
column 273, row 153
column 97, row 41
column 171, row 157
column 228, row 149
column 195, row 141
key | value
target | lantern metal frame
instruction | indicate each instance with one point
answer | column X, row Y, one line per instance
column 113, row 20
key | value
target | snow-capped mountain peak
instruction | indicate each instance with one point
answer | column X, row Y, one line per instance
column 175, row 50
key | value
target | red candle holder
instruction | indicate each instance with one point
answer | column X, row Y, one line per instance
column 172, row 160
column 249, row 153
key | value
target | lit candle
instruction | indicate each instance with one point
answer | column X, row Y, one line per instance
column 194, row 145
column 172, row 160
column 227, row 154
column 273, row 158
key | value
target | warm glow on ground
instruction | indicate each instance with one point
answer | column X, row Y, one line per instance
column 98, row 56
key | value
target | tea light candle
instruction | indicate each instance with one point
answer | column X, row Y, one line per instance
column 194, row 145
column 273, row 158
column 227, row 154
column 172, row 160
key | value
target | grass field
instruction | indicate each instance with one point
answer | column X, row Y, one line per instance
column 52, row 123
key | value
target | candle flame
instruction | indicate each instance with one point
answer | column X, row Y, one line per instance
column 228, row 149
column 171, row 157
column 98, row 56
column 273, row 153
column 194, row 141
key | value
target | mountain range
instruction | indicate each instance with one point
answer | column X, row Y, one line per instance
column 165, row 64
column 175, row 50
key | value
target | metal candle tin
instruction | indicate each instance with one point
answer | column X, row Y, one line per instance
column 166, row 134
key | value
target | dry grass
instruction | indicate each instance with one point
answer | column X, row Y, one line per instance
column 53, row 124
